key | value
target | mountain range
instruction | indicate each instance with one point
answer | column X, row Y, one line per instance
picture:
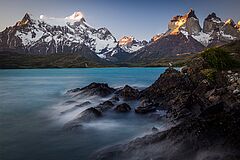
column 73, row 35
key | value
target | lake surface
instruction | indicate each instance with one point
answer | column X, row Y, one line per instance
column 31, row 124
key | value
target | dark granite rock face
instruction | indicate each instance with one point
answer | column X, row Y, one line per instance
column 85, row 116
column 104, row 106
column 214, row 136
column 146, row 106
column 114, row 99
column 189, row 92
column 75, row 90
column 124, row 107
column 97, row 89
column 128, row 93
column 171, row 89
column 154, row 129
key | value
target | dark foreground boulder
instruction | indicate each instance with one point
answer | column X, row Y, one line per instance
column 154, row 129
column 72, row 91
column 84, row 104
column 214, row 137
column 94, row 89
column 128, row 93
column 85, row 116
column 114, row 99
column 171, row 90
column 104, row 106
column 146, row 106
column 123, row 108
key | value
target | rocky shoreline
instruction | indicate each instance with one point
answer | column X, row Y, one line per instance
column 203, row 103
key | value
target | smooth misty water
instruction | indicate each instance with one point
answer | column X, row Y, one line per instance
column 30, row 103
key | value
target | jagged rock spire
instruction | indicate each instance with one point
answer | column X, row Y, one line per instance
column 213, row 16
column 212, row 23
column 191, row 13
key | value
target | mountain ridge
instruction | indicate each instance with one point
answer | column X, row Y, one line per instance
column 72, row 34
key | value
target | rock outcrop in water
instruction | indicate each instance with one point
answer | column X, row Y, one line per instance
column 124, row 107
column 146, row 106
column 85, row 116
column 214, row 136
column 128, row 93
column 100, row 90
column 204, row 101
column 94, row 89
column 105, row 106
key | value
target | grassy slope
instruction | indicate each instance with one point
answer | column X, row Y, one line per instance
column 16, row 60
column 232, row 48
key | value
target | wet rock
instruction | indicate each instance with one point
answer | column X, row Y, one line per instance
column 124, row 107
column 210, row 93
column 74, row 90
column 144, row 110
column 184, row 141
column 206, row 112
column 146, row 106
column 69, row 102
column 235, row 85
column 97, row 89
column 154, row 129
column 168, row 85
column 184, row 69
column 238, row 81
column 236, row 91
column 104, row 106
column 212, row 110
column 172, row 90
column 128, row 93
column 84, row 104
column 114, row 99
column 85, row 116
column 158, row 115
column 214, row 99
column 231, row 88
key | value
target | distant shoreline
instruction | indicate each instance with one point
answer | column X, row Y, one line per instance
column 12, row 60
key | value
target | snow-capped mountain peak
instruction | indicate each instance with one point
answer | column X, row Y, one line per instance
column 56, row 21
column 72, row 34
column 126, row 40
column 57, row 35
column 28, row 18
column 130, row 44
column 213, row 17
column 214, row 31
column 76, row 16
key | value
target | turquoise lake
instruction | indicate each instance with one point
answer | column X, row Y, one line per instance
column 30, row 123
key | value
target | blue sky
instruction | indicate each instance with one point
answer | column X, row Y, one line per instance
column 141, row 19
